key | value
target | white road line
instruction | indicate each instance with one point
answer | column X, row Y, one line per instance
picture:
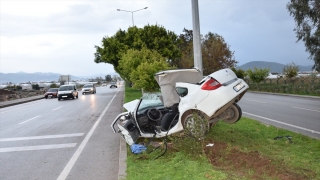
column 305, row 109
column 57, row 108
column 32, row 148
column 298, row 127
column 255, row 101
column 76, row 155
column 29, row 119
column 41, row 137
column 23, row 106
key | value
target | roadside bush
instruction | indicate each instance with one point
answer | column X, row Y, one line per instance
column 239, row 72
column 290, row 70
column 308, row 85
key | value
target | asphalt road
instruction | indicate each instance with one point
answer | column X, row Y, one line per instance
column 67, row 139
column 299, row 114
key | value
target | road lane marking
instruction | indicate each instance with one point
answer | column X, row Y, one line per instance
column 255, row 101
column 41, row 137
column 23, row 106
column 298, row 127
column 65, row 172
column 305, row 109
column 57, row 108
column 30, row 119
column 32, row 148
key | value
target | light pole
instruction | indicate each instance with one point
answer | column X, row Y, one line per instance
column 132, row 13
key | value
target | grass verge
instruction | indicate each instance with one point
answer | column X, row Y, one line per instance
column 245, row 150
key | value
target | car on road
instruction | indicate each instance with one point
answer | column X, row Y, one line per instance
column 89, row 88
column 187, row 101
column 113, row 84
column 51, row 93
column 67, row 91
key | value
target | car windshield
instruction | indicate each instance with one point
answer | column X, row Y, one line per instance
column 65, row 88
column 52, row 90
column 150, row 100
column 87, row 86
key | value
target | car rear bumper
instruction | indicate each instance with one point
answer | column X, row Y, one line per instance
column 65, row 96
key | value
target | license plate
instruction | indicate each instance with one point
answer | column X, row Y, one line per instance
column 64, row 96
column 238, row 87
column 50, row 96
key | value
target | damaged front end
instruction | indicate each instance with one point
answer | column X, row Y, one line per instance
column 125, row 124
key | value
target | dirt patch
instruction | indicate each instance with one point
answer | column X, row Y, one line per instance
column 247, row 164
column 6, row 92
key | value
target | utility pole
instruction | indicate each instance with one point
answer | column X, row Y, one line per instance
column 196, row 36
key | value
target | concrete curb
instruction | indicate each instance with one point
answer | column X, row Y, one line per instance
column 20, row 101
column 122, row 160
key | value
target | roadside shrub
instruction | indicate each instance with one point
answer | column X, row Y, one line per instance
column 290, row 70
column 239, row 72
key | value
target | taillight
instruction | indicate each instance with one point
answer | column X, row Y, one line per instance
column 211, row 84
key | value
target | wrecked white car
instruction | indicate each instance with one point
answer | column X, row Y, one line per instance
column 187, row 102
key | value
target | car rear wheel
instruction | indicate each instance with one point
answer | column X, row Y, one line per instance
column 196, row 124
column 58, row 99
column 234, row 113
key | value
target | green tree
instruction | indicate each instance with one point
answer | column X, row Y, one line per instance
column 133, row 67
column 185, row 45
column 152, row 37
column 143, row 76
column 108, row 78
column 306, row 13
column 35, row 86
column 54, row 85
column 239, row 72
column 216, row 54
column 258, row 74
column 290, row 70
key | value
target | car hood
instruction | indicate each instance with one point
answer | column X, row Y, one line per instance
column 167, row 81
column 132, row 105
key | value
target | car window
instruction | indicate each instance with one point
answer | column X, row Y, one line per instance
column 87, row 86
column 150, row 100
column 52, row 90
column 182, row 91
column 66, row 88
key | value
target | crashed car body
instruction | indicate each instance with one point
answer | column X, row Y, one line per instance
column 187, row 101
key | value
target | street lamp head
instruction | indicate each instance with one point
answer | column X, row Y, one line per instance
column 145, row 7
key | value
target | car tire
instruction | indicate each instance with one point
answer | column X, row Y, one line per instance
column 77, row 96
column 58, row 99
column 196, row 124
column 235, row 112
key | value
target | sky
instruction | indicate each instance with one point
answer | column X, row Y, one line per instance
column 59, row 36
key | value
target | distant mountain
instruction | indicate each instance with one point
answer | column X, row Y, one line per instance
column 273, row 66
column 23, row 77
